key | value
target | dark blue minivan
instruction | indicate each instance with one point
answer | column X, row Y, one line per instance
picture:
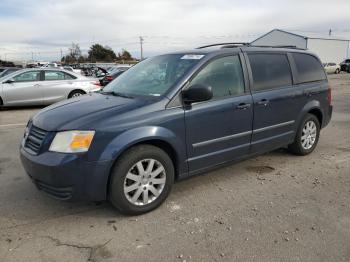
column 176, row 115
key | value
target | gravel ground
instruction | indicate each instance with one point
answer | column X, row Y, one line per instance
column 276, row 207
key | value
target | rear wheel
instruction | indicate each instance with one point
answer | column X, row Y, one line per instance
column 76, row 93
column 307, row 136
column 141, row 180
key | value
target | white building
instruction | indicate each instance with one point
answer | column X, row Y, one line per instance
column 328, row 48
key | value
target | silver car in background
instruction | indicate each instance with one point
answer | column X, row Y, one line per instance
column 43, row 86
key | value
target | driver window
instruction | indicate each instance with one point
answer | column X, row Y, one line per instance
column 224, row 75
column 31, row 76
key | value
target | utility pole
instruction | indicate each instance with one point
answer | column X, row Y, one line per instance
column 32, row 56
column 330, row 32
column 61, row 54
column 141, row 42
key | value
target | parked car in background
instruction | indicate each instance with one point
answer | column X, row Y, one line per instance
column 331, row 68
column 43, row 87
column 8, row 70
column 345, row 65
column 116, row 67
column 69, row 68
column 50, row 65
column 112, row 75
column 176, row 115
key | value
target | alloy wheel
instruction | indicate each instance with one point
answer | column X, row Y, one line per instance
column 76, row 94
column 309, row 135
column 144, row 182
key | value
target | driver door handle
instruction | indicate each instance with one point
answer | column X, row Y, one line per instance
column 243, row 106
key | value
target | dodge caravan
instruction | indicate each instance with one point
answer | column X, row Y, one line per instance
column 176, row 115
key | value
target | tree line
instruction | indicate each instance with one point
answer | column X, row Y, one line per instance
column 6, row 64
column 96, row 53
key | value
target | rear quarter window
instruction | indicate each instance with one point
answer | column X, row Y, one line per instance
column 309, row 68
column 270, row 71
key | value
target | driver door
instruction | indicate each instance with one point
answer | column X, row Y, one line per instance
column 25, row 89
column 219, row 130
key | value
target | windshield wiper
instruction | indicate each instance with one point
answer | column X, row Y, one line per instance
column 115, row 94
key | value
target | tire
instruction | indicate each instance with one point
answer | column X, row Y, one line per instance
column 76, row 93
column 337, row 71
column 128, row 186
column 300, row 146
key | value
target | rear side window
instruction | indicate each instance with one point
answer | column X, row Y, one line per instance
column 57, row 75
column 270, row 71
column 308, row 67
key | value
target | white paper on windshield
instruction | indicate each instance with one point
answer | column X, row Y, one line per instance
column 196, row 57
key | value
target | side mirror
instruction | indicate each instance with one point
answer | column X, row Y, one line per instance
column 9, row 81
column 197, row 93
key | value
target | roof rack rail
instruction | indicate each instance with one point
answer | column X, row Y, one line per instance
column 225, row 45
column 279, row 46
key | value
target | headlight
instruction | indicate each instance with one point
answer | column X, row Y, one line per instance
column 72, row 141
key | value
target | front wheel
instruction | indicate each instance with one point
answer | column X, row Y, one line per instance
column 337, row 71
column 306, row 137
column 141, row 180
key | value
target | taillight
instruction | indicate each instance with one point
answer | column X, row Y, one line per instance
column 329, row 95
column 96, row 83
column 109, row 78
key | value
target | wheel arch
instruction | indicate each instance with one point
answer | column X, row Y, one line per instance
column 161, row 138
column 318, row 113
column 312, row 107
column 76, row 90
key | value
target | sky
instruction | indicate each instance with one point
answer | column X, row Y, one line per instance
column 41, row 29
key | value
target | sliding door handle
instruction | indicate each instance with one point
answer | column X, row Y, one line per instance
column 263, row 102
column 243, row 106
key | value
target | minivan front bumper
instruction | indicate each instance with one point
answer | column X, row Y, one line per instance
column 67, row 176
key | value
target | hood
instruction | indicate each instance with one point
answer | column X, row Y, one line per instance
column 82, row 112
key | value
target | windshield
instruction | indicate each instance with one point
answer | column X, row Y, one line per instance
column 153, row 76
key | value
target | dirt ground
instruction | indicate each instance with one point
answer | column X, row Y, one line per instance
column 276, row 207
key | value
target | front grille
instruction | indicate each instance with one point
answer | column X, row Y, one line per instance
column 35, row 139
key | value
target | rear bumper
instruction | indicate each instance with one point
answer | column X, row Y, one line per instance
column 327, row 116
column 67, row 176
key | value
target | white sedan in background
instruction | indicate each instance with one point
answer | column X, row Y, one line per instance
column 40, row 86
column 331, row 68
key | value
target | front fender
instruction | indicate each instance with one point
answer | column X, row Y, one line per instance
column 143, row 134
